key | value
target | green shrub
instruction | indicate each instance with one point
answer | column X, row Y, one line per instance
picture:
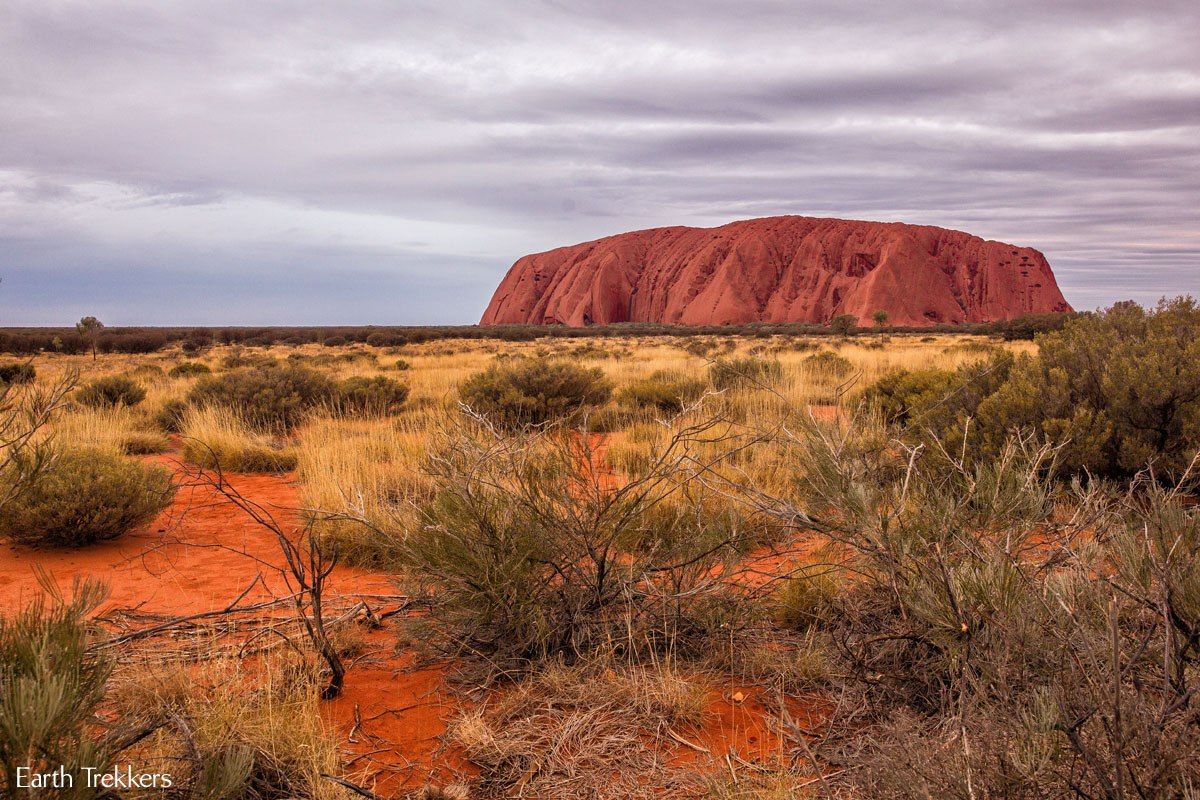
column 335, row 341
column 401, row 365
column 114, row 390
column 17, row 373
column 240, row 359
column 1117, row 390
column 1120, row 390
column 663, row 391
column 732, row 373
column 375, row 396
column 844, row 324
column 830, row 363
column 273, row 398
column 86, row 496
column 528, row 552
column 53, row 684
column 187, row 368
column 524, row 391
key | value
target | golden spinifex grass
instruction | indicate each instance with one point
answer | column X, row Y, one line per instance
column 216, row 437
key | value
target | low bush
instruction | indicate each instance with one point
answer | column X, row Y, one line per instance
column 17, row 373
column 86, row 496
column 375, row 396
column 114, row 390
column 529, row 550
column 401, row 365
column 524, row 391
column 275, row 398
column 1117, row 391
column 807, row 597
column 169, row 416
column 148, row 371
column 145, row 444
column 733, row 373
column 186, row 369
column 662, row 391
column 829, row 363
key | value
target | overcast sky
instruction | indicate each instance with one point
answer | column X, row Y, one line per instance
column 304, row 162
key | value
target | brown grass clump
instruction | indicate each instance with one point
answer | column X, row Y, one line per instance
column 587, row 731
column 216, row 437
column 234, row 730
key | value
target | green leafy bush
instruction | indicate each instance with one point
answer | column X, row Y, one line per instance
column 732, row 373
column 376, row 396
column 1117, row 391
column 114, row 390
column 663, row 391
column 526, row 391
column 401, row 365
column 17, row 373
column 188, row 368
column 273, row 398
column 86, row 496
column 53, row 684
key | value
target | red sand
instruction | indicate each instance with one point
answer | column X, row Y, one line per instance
column 203, row 552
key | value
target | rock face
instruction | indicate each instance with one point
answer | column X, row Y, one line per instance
column 778, row 269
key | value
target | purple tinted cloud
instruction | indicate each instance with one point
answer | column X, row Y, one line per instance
column 385, row 163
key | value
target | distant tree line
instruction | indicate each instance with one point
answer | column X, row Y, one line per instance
column 75, row 339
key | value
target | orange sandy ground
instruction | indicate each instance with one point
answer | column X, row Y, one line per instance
column 201, row 553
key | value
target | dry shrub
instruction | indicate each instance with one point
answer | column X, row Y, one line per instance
column 751, row 371
column 587, row 731
column 986, row 646
column 111, row 391
column 217, row 438
column 232, row 730
column 20, row 372
column 86, row 496
column 526, row 391
column 669, row 391
column 187, row 369
column 531, row 547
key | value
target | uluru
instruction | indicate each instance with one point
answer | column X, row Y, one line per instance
column 778, row 269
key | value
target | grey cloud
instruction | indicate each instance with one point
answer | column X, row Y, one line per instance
column 151, row 143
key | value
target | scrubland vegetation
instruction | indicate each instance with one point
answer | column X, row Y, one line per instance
column 949, row 566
